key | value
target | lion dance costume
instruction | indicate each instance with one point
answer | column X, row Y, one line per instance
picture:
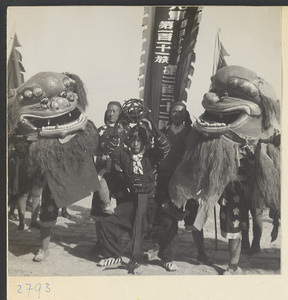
column 233, row 152
column 48, row 112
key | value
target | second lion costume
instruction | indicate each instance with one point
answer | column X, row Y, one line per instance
column 233, row 153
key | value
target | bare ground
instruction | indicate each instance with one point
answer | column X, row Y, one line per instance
column 72, row 240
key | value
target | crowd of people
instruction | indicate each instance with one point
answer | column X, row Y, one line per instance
column 134, row 166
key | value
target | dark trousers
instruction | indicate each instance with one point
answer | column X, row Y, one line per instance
column 166, row 227
column 116, row 188
column 48, row 209
column 167, row 231
column 257, row 221
column 128, row 217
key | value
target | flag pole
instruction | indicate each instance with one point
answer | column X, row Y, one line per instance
column 215, row 225
column 214, row 70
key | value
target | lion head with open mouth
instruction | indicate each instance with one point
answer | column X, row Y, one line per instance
column 49, row 105
column 240, row 103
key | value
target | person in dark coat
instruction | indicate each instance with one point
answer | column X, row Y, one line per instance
column 139, row 164
column 176, row 131
column 109, row 173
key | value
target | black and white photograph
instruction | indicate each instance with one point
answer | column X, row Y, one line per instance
column 143, row 141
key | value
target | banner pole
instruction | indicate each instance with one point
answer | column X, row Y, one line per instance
column 215, row 224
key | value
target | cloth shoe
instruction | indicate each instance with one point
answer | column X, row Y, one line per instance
column 41, row 255
column 21, row 226
column 13, row 217
column 109, row 261
column 229, row 271
column 65, row 214
column 170, row 266
column 255, row 246
column 133, row 264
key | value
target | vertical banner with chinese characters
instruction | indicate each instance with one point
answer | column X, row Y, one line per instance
column 169, row 38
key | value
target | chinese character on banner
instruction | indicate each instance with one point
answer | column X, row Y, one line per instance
column 170, row 70
column 177, row 13
column 169, row 39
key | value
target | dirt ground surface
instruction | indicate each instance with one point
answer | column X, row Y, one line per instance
column 72, row 241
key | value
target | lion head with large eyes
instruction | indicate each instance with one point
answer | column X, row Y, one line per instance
column 48, row 105
column 47, row 114
column 48, row 110
column 240, row 103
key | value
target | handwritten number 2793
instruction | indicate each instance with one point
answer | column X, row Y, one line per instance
column 37, row 288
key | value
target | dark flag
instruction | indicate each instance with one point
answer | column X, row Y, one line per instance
column 170, row 35
column 219, row 54
column 15, row 68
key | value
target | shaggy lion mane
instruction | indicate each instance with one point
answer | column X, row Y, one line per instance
column 209, row 162
column 47, row 155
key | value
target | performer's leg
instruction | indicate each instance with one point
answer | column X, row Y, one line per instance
column 65, row 214
column 45, row 234
column 21, row 204
column 48, row 217
column 167, row 232
column 36, row 198
column 117, row 186
column 96, row 212
column 191, row 208
column 104, row 196
column 98, row 231
column 234, row 251
column 274, row 215
column 111, row 234
column 167, row 225
column 12, row 215
column 139, row 224
column 11, row 202
column 97, row 248
column 151, row 225
column 198, row 238
column 230, row 224
column 257, row 215
column 113, row 226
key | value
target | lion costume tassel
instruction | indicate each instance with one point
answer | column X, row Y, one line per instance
column 48, row 111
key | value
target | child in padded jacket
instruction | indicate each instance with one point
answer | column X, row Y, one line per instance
column 139, row 165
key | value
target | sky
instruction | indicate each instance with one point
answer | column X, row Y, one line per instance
column 102, row 45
